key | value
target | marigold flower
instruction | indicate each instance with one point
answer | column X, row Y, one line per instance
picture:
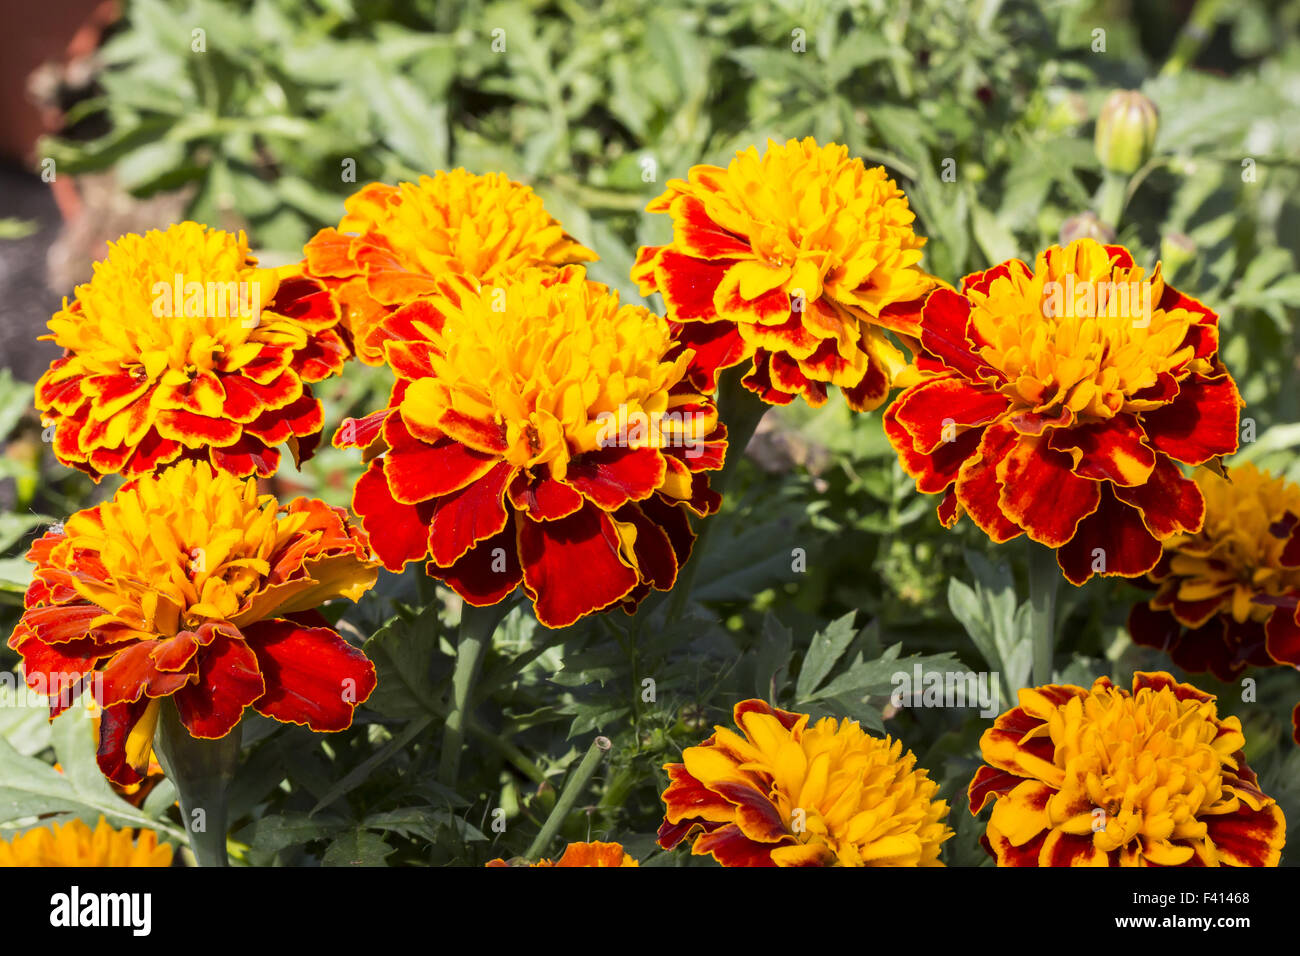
column 506, row 457
column 799, row 260
column 1218, row 588
column 396, row 242
column 180, row 347
column 1053, row 402
column 786, row 794
column 75, row 844
column 1103, row 777
column 584, row 854
column 191, row 585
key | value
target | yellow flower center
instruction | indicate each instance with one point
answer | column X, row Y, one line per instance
column 553, row 366
column 178, row 549
column 1081, row 334
column 856, row 795
column 172, row 304
column 1148, row 766
column 819, row 221
column 1237, row 555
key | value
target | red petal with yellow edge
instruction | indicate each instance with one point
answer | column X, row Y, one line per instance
column 934, row 472
column 753, row 705
column 544, row 498
column 1200, row 424
column 246, row 401
column 654, row 550
column 152, row 452
column 572, row 566
column 1001, row 849
column 978, row 489
column 730, row 847
column 756, row 815
column 931, row 411
column 672, row 521
column 313, row 676
column 419, row 471
column 1032, row 474
column 759, row 381
column 611, row 477
column 465, row 517
column 1248, row 837
column 484, row 436
column 487, row 572
column 52, row 625
column 1118, row 533
column 246, row 457
column 687, row 801
column 398, row 533
column 989, row 783
column 688, row 284
column 766, row 308
column 944, row 334
column 717, row 345
column 870, row 392
column 1283, row 636
column 132, row 672
column 1170, row 503
column 229, row 680
column 115, row 725
column 361, row 432
column 698, row 235
column 1107, row 451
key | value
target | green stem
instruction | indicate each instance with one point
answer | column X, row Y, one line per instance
column 201, row 771
column 741, row 411
column 572, row 790
column 1111, row 198
column 476, row 627
column 1196, row 32
column 1044, row 579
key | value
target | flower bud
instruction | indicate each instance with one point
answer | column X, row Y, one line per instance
column 1126, row 131
column 1177, row 252
column 1085, row 225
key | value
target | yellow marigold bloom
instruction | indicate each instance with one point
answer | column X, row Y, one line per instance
column 180, row 347
column 75, row 844
column 583, row 854
column 1104, row 777
column 800, row 260
column 786, row 794
column 191, row 585
column 541, row 433
column 396, row 241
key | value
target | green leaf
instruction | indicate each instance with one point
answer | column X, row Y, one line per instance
column 404, row 651
column 827, row 646
column 360, row 847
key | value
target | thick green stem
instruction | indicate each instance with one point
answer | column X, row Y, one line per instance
column 1111, row 198
column 1044, row 579
column 202, row 771
column 741, row 411
column 572, row 790
column 1196, row 32
column 476, row 627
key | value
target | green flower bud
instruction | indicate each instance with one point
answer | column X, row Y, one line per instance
column 1126, row 131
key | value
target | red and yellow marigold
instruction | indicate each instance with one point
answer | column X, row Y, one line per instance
column 191, row 585
column 75, row 844
column 799, row 260
column 789, row 794
column 180, row 347
column 1059, row 402
column 396, row 242
column 504, row 461
column 583, row 854
column 1218, row 589
column 1104, row 777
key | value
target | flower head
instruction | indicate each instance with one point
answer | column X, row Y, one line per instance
column 538, row 433
column 396, row 242
column 191, row 585
column 789, row 794
column 1217, row 589
column 584, row 854
column 75, row 844
column 1104, row 777
column 799, row 260
column 180, row 347
column 1082, row 382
